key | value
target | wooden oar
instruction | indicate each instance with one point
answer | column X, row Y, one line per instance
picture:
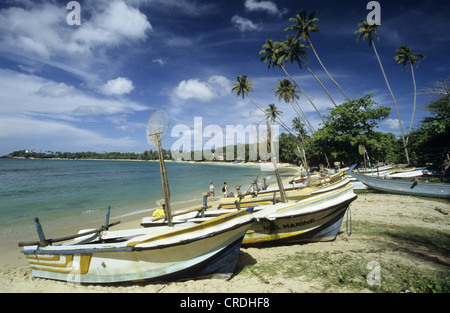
column 50, row 241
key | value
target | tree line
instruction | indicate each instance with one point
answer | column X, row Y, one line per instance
column 354, row 122
column 144, row 156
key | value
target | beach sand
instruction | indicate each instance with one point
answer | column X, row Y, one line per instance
column 384, row 209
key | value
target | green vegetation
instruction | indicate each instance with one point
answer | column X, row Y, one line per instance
column 146, row 155
column 354, row 122
column 349, row 269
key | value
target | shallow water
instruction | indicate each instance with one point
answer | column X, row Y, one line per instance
column 68, row 192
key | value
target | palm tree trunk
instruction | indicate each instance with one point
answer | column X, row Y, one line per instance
column 302, row 116
column 395, row 103
column 255, row 103
column 414, row 107
column 274, row 162
column 302, row 92
column 318, row 59
column 320, row 82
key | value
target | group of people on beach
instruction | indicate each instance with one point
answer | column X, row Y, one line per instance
column 212, row 195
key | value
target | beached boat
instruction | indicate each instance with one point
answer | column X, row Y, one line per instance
column 406, row 173
column 272, row 195
column 161, row 253
column 413, row 188
column 375, row 171
column 317, row 218
column 171, row 252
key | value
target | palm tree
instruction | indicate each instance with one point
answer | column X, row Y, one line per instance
column 369, row 32
column 295, row 52
column 286, row 91
column 303, row 26
column 243, row 86
column 299, row 127
column 404, row 57
column 272, row 53
column 272, row 112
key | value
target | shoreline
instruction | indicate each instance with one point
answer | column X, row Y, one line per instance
column 292, row 268
column 10, row 252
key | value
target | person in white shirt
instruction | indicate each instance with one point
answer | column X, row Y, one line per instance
column 212, row 196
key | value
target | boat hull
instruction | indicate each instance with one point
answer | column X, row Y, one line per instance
column 316, row 219
column 267, row 197
column 189, row 252
column 410, row 188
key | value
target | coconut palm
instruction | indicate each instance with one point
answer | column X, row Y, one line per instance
column 299, row 127
column 272, row 112
column 272, row 54
column 242, row 87
column 370, row 32
column 293, row 51
column 303, row 26
column 286, row 91
column 406, row 57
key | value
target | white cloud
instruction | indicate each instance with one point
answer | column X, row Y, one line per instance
column 193, row 88
column 268, row 6
column 115, row 24
column 57, row 91
column 44, row 114
column 118, row 86
column 38, row 33
column 30, row 95
column 159, row 61
column 216, row 86
column 21, row 132
column 244, row 24
column 391, row 124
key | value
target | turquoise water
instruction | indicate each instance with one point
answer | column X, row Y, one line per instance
column 63, row 192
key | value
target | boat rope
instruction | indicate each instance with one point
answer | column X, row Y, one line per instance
column 349, row 224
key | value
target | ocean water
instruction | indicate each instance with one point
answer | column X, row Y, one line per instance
column 67, row 192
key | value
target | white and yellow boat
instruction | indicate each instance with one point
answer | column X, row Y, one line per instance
column 160, row 253
column 316, row 218
column 272, row 196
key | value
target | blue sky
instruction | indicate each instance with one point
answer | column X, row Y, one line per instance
column 92, row 87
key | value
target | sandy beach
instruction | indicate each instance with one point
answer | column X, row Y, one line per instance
column 289, row 265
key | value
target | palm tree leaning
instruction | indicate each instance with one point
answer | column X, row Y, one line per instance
column 242, row 86
column 303, row 26
column 273, row 54
column 286, row 91
column 272, row 112
column 369, row 31
column 294, row 51
column 404, row 57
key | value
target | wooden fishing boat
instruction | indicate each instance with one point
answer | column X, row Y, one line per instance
column 169, row 252
column 161, row 253
column 272, row 196
column 317, row 218
column 376, row 171
column 406, row 173
column 412, row 188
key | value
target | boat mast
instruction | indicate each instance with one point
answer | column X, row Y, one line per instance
column 274, row 162
column 164, row 181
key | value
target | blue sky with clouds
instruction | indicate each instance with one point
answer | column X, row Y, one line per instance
column 92, row 87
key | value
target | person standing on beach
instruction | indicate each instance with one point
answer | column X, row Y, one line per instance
column 225, row 189
column 212, row 196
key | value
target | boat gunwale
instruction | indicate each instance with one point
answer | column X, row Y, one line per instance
column 133, row 248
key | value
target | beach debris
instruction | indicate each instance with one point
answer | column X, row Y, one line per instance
column 441, row 210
